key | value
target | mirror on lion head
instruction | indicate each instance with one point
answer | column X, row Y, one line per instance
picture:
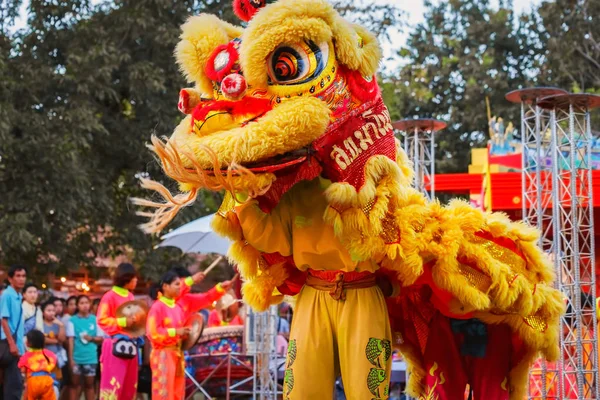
column 290, row 97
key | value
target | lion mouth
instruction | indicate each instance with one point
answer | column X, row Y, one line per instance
column 273, row 164
column 259, row 142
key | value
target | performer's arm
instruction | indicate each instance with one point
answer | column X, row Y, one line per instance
column 107, row 322
column 197, row 301
column 270, row 233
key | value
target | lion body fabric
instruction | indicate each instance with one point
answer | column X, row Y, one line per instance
column 287, row 112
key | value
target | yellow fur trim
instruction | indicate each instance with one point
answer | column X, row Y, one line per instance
column 289, row 126
column 258, row 292
column 200, row 36
column 225, row 221
column 194, row 176
column 356, row 47
column 246, row 257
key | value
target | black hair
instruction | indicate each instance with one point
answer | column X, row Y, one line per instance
column 167, row 279
column 80, row 297
column 49, row 303
column 124, row 274
column 29, row 285
column 72, row 298
column 153, row 291
column 54, row 299
column 96, row 301
column 181, row 272
column 35, row 339
column 16, row 268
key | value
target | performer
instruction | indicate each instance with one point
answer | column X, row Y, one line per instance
column 165, row 330
column 119, row 375
column 289, row 120
column 226, row 312
column 38, row 364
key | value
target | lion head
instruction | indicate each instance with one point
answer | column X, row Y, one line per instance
column 290, row 97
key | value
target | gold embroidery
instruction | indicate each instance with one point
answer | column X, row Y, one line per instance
column 476, row 278
column 368, row 207
column 390, row 233
column 536, row 322
column 499, row 253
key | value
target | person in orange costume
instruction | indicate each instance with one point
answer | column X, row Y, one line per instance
column 166, row 328
column 38, row 365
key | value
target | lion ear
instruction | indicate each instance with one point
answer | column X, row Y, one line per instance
column 356, row 47
column 200, row 36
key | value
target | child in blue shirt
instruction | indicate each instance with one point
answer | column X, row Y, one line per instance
column 83, row 349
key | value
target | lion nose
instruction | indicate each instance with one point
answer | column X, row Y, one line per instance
column 233, row 86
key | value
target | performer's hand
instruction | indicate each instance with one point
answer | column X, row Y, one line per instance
column 183, row 331
column 385, row 285
column 226, row 285
column 198, row 277
column 131, row 320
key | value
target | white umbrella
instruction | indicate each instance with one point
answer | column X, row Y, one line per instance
column 197, row 237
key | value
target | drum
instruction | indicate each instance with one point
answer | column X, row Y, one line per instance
column 221, row 339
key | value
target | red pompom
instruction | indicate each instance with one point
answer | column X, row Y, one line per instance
column 364, row 89
column 233, row 86
column 245, row 9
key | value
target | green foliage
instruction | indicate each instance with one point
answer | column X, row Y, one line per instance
column 82, row 89
column 464, row 51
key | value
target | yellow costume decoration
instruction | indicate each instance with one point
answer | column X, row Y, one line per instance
column 292, row 99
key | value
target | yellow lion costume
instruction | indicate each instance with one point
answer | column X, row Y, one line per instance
column 287, row 118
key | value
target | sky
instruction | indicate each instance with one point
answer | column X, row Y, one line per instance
column 414, row 10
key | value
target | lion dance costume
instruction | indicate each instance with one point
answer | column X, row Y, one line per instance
column 286, row 116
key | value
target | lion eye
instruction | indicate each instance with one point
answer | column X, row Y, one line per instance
column 292, row 64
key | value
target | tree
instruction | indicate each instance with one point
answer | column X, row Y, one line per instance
column 464, row 51
column 565, row 39
column 84, row 88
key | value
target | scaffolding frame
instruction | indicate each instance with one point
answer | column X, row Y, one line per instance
column 419, row 144
column 261, row 345
column 574, row 250
column 536, row 196
column 557, row 198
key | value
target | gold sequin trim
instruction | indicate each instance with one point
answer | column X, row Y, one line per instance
column 368, row 207
column 391, row 232
column 499, row 253
column 476, row 278
column 536, row 322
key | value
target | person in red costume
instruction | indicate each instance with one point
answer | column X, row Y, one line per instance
column 226, row 313
column 119, row 375
column 166, row 329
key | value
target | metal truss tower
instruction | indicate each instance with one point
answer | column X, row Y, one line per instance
column 419, row 144
column 261, row 344
column 536, row 197
column 574, row 252
column 557, row 198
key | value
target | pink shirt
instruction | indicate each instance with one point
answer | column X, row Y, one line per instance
column 107, row 311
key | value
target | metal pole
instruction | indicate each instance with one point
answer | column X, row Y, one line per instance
column 419, row 144
column 536, row 197
column 574, row 248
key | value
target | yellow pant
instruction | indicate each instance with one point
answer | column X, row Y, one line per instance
column 328, row 337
